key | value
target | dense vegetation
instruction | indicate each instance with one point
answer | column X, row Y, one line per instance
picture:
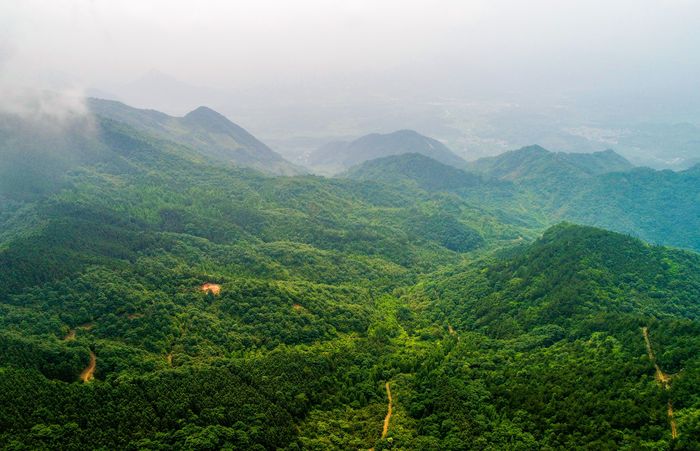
column 406, row 272
column 541, row 187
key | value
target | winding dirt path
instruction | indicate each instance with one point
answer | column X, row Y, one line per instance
column 663, row 379
column 674, row 429
column 89, row 371
column 70, row 335
column 387, row 419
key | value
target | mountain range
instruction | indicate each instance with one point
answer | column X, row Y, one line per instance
column 163, row 287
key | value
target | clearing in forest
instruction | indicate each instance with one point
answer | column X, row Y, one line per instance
column 212, row 288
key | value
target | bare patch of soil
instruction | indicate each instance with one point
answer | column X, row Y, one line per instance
column 212, row 288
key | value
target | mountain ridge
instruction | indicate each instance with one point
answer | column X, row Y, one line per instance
column 341, row 155
column 204, row 130
column 535, row 163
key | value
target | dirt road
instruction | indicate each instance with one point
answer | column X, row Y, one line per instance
column 89, row 371
column 663, row 379
column 387, row 419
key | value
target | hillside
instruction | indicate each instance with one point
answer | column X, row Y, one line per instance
column 602, row 189
column 152, row 298
column 338, row 156
column 207, row 132
column 573, row 272
column 551, row 338
column 659, row 206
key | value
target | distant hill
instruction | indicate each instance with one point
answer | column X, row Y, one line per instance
column 338, row 156
column 536, row 163
column 426, row 172
column 204, row 130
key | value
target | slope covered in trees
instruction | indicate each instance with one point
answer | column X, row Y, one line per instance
column 406, row 274
column 536, row 163
column 658, row 206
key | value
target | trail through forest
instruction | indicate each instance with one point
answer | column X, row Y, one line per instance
column 89, row 371
column 663, row 379
column 387, row 419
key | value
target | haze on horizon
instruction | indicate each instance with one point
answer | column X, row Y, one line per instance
column 481, row 76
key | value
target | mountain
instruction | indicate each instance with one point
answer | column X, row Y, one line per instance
column 571, row 273
column 658, row 206
column 204, row 130
column 338, row 156
column 562, row 335
column 426, row 172
column 535, row 163
column 602, row 189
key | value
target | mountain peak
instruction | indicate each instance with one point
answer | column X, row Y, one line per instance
column 204, row 130
column 204, row 112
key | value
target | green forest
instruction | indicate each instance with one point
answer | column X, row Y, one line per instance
column 404, row 305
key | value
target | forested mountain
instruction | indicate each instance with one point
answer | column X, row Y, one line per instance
column 553, row 341
column 658, row 206
column 427, row 173
column 338, row 156
column 207, row 132
column 153, row 298
column 534, row 163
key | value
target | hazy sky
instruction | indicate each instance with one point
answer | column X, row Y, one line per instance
column 465, row 46
column 302, row 72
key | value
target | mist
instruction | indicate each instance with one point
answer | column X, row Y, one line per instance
column 480, row 76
